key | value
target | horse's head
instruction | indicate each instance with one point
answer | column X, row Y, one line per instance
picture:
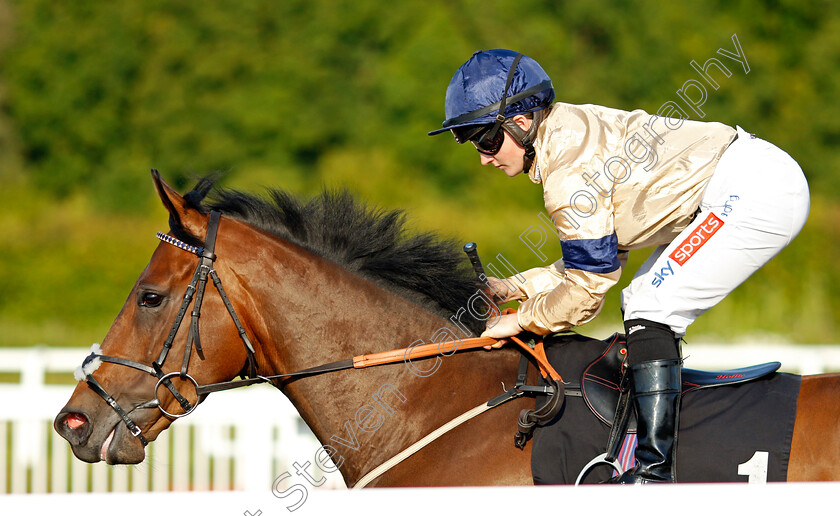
column 151, row 361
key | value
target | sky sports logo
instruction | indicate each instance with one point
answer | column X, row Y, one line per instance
column 697, row 239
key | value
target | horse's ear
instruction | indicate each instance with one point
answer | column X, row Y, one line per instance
column 181, row 214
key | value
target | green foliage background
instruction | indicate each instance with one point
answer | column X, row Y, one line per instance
column 302, row 94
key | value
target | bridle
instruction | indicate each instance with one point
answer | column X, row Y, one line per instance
column 195, row 292
column 195, row 295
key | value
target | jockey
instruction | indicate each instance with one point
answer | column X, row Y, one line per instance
column 715, row 201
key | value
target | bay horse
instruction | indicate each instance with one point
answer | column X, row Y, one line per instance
column 306, row 284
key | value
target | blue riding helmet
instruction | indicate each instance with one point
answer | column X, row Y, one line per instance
column 484, row 84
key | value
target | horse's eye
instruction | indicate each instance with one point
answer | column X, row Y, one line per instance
column 150, row 299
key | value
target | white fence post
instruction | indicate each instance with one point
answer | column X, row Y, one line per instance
column 232, row 440
column 40, row 461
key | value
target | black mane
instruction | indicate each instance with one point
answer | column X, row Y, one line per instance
column 370, row 242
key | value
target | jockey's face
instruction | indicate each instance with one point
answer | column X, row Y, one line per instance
column 511, row 157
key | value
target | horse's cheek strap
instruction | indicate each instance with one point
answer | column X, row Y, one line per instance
column 194, row 336
column 205, row 266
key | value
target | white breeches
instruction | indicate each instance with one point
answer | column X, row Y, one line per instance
column 756, row 202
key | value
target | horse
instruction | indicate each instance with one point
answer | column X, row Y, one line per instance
column 300, row 288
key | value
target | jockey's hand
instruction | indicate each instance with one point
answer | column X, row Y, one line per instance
column 500, row 328
column 502, row 291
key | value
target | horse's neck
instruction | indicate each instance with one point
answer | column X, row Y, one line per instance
column 368, row 416
column 314, row 312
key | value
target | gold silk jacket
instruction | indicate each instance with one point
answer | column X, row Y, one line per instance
column 612, row 181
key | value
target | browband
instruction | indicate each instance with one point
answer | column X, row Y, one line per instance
column 198, row 251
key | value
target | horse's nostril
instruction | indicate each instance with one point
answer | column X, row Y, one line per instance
column 76, row 427
column 75, row 420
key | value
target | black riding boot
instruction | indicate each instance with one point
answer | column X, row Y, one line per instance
column 656, row 382
column 656, row 397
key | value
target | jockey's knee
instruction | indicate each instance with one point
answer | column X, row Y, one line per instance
column 649, row 340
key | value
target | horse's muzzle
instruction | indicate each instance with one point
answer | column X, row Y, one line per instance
column 73, row 426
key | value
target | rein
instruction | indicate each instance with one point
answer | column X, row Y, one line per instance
column 386, row 357
column 195, row 295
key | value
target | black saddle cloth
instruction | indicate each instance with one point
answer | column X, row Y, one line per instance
column 728, row 433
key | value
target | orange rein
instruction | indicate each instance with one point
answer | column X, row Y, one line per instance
column 427, row 350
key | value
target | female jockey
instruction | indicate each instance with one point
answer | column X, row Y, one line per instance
column 716, row 202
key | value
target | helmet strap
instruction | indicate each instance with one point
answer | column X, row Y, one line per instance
column 526, row 139
column 500, row 117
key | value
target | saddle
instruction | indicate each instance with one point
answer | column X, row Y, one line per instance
column 718, row 426
column 605, row 379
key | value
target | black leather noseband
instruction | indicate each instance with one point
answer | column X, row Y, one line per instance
column 195, row 292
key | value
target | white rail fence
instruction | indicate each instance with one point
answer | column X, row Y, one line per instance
column 236, row 440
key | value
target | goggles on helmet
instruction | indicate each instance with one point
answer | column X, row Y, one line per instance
column 488, row 139
column 471, row 119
